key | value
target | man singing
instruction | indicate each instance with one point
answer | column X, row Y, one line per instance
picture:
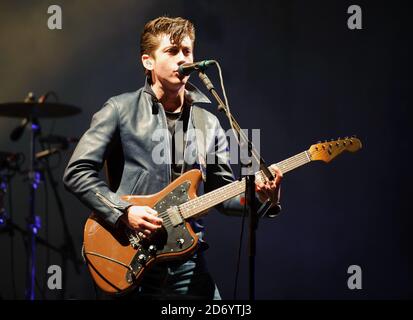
column 122, row 136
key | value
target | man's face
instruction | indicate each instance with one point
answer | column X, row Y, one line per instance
column 167, row 58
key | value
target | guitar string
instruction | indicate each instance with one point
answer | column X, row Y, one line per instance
column 301, row 159
column 199, row 204
column 291, row 163
column 218, row 198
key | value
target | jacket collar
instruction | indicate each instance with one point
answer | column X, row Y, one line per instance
column 192, row 94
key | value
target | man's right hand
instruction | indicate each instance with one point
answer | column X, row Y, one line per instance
column 142, row 219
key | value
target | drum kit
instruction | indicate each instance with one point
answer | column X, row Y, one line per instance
column 30, row 111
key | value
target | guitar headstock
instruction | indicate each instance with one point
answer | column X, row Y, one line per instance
column 328, row 150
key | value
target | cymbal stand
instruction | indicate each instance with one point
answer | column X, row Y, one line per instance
column 3, row 190
column 33, row 221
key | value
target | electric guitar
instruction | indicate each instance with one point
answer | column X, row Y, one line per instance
column 118, row 258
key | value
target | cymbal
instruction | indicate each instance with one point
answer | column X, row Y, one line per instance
column 37, row 110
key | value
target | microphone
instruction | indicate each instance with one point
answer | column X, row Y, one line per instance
column 187, row 68
column 18, row 131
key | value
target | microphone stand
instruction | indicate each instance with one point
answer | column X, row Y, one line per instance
column 250, row 182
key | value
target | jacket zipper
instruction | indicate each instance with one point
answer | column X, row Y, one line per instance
column 107, row 202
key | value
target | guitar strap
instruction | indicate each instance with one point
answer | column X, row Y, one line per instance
column 200, row 135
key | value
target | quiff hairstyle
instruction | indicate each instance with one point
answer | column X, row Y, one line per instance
column 177, row 28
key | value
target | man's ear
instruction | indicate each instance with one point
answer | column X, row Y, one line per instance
column 147, row 62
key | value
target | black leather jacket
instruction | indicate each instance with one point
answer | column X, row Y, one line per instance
column 121, row 133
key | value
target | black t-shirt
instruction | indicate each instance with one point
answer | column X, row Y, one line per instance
column 178, row 140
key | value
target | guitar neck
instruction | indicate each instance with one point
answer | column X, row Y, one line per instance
column 198, row 205
column 293, row 162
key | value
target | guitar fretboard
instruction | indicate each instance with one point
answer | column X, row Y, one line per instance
column 198, row 205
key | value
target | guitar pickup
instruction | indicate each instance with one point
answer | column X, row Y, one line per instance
column 175, row 215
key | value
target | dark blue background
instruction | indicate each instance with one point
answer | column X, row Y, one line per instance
column 292, row 69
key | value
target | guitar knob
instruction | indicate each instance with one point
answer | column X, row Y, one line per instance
column 180, row 242
column 142, row 258
column 152, row 249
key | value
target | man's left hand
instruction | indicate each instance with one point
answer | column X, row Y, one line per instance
column 270, row 190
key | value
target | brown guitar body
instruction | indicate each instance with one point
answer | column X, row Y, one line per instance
column 117, row 261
